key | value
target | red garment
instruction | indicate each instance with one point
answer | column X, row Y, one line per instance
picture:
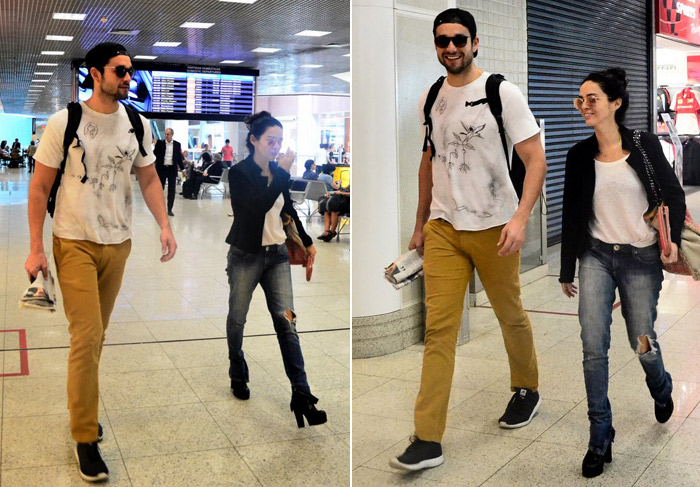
column 686, row 102
column 227, row 153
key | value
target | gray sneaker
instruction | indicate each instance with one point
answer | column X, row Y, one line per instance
column 419, row 455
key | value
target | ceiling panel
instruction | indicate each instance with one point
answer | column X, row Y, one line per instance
column 238, row 29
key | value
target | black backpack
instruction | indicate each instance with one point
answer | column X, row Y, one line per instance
column 75, row 112
column 516, row 168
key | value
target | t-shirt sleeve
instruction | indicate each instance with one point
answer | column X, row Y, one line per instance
column 147, row 142
column 50, row 150
column 421, row 115
column 519, row 122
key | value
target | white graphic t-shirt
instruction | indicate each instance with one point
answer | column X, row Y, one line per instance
column 100, row 209
column 471, row 186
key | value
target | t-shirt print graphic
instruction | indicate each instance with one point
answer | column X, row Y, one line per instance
column 459, row 157
column 461, row 144
column 108, row 170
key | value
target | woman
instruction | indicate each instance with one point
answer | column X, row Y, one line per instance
column 258, row 255
column 606, row 193
column 332, row 206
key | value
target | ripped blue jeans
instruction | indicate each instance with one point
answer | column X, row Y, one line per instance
column 637, row 273
column 270, row 268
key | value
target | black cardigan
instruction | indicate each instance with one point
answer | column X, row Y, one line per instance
column 252, row 198
column 579, row 185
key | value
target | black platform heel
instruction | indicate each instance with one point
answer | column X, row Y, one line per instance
column 302, row 405
column 593, row 463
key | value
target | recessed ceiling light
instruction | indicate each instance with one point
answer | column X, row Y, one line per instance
column 32, row 89
column 276, row 75
column 63, row 16
column 265, row 49
column 47, row 64
column 167, row 44
column 59, row 38
column 143, row 56
column 344, row 76
column 40, row 81
column 312, row 33
column 239, row 1
column 196, row 25
column 309, row 85
column 313, row 66
column 52, row 53
column 230, row 61
column 346, row 55
column 43, row 74
column 124, row 32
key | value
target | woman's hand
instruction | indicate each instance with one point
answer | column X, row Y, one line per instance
column 569, row 288
column 672, row 257
column 311, row 251
column 286, row 160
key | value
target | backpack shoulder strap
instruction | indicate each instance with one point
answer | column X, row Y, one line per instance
column 429, row 102
column 137, row 127
column 493, row 95
column 75, row 113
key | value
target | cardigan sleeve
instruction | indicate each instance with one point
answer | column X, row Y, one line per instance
column 671, row 190
column 571, row 218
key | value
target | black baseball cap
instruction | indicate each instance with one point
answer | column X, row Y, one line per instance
column 99, row 56
column 456, row 16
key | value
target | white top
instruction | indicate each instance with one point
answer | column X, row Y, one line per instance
column 168, row 157
column 619, row 204
column 273, row 230
column 99, row 210
column 471, row 185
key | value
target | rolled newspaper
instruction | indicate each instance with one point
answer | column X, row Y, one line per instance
column 405, row 269
column 40, row 294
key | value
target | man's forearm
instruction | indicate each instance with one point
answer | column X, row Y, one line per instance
column 153, row 196
column 532, row 187
column 425, row 193
column 36, row 209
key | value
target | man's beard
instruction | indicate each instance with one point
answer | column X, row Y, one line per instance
column 459, row 69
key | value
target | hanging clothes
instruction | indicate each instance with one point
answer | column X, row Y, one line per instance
column 691, row 162
column 686, row 107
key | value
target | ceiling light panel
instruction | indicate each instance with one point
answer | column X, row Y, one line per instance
column 66, row 16
column 312, row 33
column 230, row 61
column 47, row 64
column 167, row 44
column 249, row 2
column 312, row 66
column 52, row 53
column 143, row 56
column 59, row 38
column 196, row 25
column 267, row 50
column 43, row 74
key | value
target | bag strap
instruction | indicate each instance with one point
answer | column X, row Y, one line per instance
column 137, row 127
column 75, row 113
column 651, row 174
column 493, row 96
column 429, row 102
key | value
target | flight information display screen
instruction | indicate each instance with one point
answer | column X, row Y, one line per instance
column 188, row 92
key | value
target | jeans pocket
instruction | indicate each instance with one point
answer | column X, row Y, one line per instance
column 648, row 255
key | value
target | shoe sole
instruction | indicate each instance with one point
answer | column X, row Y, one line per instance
column 430, row 463
column 524, row 423
column 98, row 478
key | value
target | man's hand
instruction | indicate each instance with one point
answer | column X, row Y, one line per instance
column 36, row 262
column 417, row 242
column 512, row 236
column 168, row 244
column 286, row 160
column 569, row 288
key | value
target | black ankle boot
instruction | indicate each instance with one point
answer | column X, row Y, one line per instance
column 593, row 463
column 240, row 389
column 303, row 405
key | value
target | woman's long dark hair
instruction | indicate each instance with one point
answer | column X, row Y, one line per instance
column 613, row 82
column 257, row 125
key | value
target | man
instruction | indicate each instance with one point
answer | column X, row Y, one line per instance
column 92, row 229
column 168, row 154
column 16, row 145
column 473, row 221
column 227, row 153
column 31, row 150
column 310, row 172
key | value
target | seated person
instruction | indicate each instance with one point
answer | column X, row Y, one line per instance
column 4, row 151
column 195, row 171
column 210, row 174
column 310, row 173
column 332, row 206
column 326, row 176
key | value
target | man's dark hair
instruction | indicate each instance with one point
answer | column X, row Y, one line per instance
column 228, row 141
column 457, row 16
column 308, row 164
column 328, row 169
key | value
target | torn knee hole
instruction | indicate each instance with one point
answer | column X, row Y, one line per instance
column 291, row 316
column 645, row 344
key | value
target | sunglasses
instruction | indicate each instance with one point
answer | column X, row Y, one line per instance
column 460, row 40
column 590, row 99
column 121, row 71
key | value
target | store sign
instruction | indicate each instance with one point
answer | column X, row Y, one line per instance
column 679, row 19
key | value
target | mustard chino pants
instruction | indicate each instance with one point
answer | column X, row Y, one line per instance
column 90, row 275
column 449, row 260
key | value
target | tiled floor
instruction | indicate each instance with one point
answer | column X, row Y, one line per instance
column 549, row 451
column 166, row 406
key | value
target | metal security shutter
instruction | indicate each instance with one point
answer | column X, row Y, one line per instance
column 567, row 39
